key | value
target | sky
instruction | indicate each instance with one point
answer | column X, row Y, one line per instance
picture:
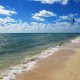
column 39, row 16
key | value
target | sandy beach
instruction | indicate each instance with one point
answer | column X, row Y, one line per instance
column 72, row 69
column 39, row 39
column 56, row 63
column 62, row 65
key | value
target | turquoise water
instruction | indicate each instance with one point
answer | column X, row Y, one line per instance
column 15, row 47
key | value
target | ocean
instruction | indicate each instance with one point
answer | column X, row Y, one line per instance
column 15, row 47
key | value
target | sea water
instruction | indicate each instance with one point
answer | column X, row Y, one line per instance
column 18, row 46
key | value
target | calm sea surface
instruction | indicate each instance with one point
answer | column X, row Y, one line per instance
column 15, row 47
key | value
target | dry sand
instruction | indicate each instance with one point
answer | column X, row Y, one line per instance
column 54, row 67
column 72, row 69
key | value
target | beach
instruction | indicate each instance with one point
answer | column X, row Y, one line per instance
column 62, row 65
column 72, row 69
column 39, row 39
column 47, row 65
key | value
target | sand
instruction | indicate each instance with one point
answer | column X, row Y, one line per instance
column 47, row 68
column 72, row 69
column 62, row 65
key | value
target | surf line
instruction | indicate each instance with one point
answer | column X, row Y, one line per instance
column 11, row 74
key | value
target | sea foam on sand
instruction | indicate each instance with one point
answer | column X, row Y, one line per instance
column 11, row 74
column 77, row 40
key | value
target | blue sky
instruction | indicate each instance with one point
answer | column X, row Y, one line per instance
column 39, row 16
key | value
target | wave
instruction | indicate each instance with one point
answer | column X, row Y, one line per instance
column 77, row 40
column 15, row 70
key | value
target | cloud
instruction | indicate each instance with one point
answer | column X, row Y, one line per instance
column 66, row 27
column 6, row 20
column 38, row 18
column 6, row 12
column 43, row 13
column 62, row 24
column 63, row 2
column 67, row 17
column 10, row 25
column 77, row 20
column 63, row 17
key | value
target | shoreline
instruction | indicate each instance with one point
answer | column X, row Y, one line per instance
column 17, row 70
column 49, row 67
column 46, row 68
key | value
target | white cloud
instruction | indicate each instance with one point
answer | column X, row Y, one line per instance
column 63, row 17
column 37, row 26
column 6, row 20
column 62, row 24
column 67, row 17
column 38, row 18
column 77, row 20
column 43, row 13
column 14, row 26
column 63, row 2
column 6, row 12
column 66, row 27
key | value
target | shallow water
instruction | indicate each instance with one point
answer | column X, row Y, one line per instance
column 15, row 47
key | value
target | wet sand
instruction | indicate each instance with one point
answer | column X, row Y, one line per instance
column 62, row 65
column 47, row 68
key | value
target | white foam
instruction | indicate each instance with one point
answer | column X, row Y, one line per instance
column 48, row 52
column 18, row 69
column 77, row 40
column 28, row 66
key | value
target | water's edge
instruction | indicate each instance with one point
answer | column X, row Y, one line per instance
column 27, row 66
